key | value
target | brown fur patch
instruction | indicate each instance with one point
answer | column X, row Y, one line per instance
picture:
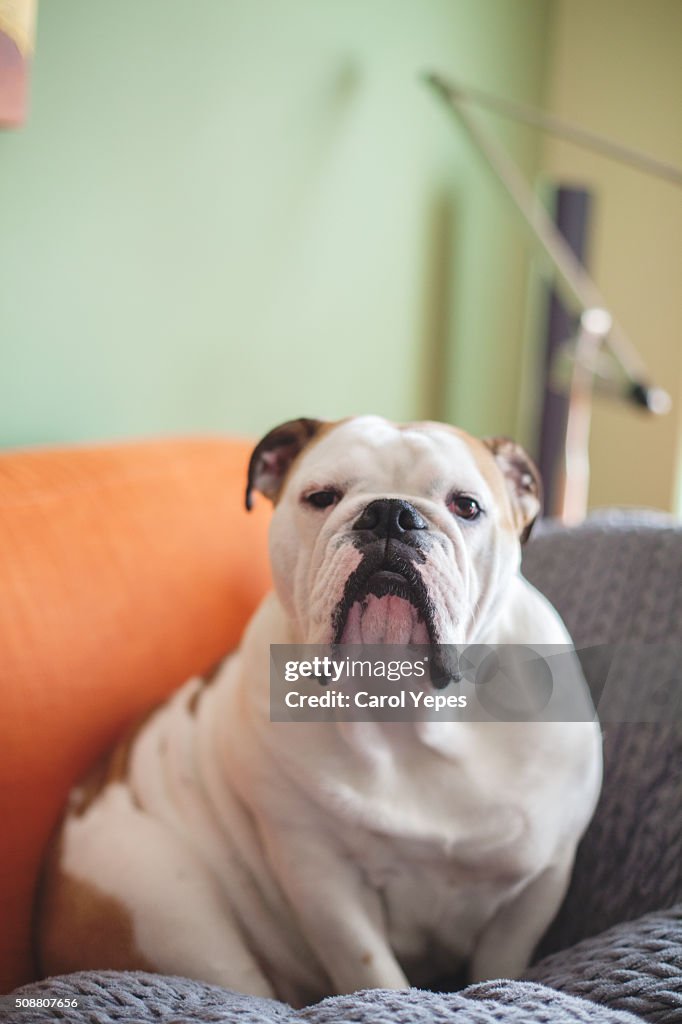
column 79, row 927
column 488, row 467
column 493, row 476
column 204, row 682
column 71, row 914
column 298, row 436
column 323, row 431
column 522, row 480
column 273, row 455
column 111, row 767
column 87, row 791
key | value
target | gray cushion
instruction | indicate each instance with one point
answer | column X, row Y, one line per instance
column 617, row 579
column 635, row 966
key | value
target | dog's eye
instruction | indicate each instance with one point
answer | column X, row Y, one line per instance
column 464, row 507
column 322, row 499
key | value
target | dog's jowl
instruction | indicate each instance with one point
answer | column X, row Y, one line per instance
column 303, row 859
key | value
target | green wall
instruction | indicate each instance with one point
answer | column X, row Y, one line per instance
column 224, row 214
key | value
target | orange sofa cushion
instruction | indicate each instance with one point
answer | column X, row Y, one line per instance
column 123, row 570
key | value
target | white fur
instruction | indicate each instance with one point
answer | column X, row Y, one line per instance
column 302, row 859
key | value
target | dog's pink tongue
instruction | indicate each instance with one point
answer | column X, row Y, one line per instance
column 384, row 620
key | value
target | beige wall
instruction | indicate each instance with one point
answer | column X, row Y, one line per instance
column 616, row 68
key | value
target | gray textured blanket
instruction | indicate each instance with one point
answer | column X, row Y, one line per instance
column 108, row 996
column 614, row 952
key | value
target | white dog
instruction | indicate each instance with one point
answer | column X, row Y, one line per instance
column 304, row 859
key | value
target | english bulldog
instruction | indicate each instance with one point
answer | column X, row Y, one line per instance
column 297, row 860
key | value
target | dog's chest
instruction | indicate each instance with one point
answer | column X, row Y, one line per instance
column 436, row 899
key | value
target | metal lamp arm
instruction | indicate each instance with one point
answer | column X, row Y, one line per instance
column 577, row 287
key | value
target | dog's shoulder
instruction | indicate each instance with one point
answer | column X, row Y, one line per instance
column 526, row 616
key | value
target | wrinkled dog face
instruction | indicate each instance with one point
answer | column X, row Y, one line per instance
column 392, row 534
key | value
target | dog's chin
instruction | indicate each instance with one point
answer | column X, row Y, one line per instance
column 385, row 604
column 387, row 619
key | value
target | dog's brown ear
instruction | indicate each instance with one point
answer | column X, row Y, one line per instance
column 523, row 481
column 274, row 454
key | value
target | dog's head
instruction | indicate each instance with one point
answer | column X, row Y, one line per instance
column 392, row 534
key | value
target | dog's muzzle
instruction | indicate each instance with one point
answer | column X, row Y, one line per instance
column 385, row 600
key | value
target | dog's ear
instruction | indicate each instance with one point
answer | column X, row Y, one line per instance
column 523, row 481
column 274, row 454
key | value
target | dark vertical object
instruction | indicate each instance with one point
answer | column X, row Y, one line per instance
column 571, row 216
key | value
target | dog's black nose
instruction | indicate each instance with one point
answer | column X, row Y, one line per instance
column 390, row 518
